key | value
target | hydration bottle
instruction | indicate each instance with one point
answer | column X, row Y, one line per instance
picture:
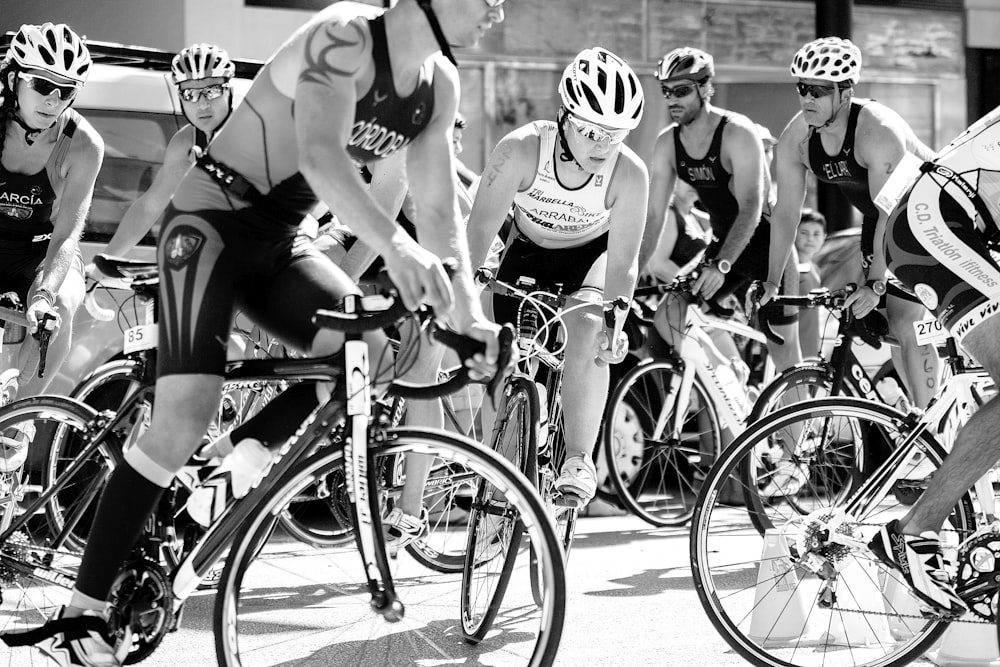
column 236, row 475
column 528, row 321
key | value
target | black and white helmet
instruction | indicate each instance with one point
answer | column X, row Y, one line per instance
column 202, row 61
column 686, row 63
column 828, row 59
column 52, row 48
column 600, row 87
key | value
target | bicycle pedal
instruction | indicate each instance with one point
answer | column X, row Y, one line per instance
column 569, row 500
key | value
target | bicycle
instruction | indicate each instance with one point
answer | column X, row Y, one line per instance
column 816, row 594
column 668, row 418
column 37, row 567
column 528, row 431
column 13, row 330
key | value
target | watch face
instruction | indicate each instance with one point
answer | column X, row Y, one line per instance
column 878, row 286
column 724, row 265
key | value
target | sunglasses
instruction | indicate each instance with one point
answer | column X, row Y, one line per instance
column 213, row 92
column 45, row 87
column 814, row 89
column 494, row 3
column 596, row 132
column 678, row 91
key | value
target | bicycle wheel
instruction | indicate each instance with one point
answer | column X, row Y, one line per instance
column 38, row 562
column 494, row 535
column 801, row 383
column 281, row 602
column 793, row 595
column 657, row 454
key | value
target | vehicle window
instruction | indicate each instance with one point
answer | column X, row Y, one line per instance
column 134, row 144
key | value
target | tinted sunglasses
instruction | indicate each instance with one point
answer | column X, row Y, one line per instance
column 45, row 87
column 678, row 91
column 814, row 89
column 213, row 92
column 597, row 133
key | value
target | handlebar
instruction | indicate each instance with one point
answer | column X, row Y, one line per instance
column 11, row 311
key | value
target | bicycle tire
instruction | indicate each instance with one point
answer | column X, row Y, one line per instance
column 257, row 572
column 38, row 568
column 660, row 479
column 494, row 535
column 768, row 608
column 817, row 376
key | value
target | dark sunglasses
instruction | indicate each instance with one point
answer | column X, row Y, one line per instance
column 814, row 89
column 45, row 87
column 208, row 92
column 678, row 91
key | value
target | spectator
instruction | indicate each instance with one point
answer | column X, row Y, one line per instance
column 808, row 240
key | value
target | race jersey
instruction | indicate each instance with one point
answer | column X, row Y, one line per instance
column 549, row 214
column 707, row 176
column 843, row 170
column 259, row 140
column 27, row 203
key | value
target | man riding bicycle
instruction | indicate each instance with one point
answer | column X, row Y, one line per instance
column 329, row 99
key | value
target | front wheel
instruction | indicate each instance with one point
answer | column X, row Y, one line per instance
column 314, row 604
column 807, row 592
column 659, row 439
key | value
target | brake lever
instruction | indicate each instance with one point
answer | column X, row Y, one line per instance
column 42, row 335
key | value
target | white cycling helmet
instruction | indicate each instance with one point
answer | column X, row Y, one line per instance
column 686, row 63
column 600, row 87
column 202, row 61
column 828, row 59
column 52, row 48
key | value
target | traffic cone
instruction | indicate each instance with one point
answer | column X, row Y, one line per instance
column 857, row 619
column 904, row 611
column 779, row 612
column 968, row 645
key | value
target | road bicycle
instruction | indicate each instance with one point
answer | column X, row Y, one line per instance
column 669, row 417
column 528, row 431
column 270, row 579
column 796, row 584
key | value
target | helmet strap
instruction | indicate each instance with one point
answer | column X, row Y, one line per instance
column 436, row 29
column 30, row 133
column 565, row 154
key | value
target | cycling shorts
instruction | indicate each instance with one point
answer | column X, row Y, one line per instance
column 934, row 248
column 549, row 267
column 214, row 262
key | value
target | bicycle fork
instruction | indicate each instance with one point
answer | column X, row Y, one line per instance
column 362, row 483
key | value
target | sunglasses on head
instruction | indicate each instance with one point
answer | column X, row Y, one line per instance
column 45, row 87
column 213, row 92
column 678, row 91
column 597, row 133
column 814, row 89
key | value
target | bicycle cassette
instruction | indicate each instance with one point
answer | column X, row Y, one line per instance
column 979, row 573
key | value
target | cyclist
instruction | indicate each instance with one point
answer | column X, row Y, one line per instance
column 49, row 160
column 936, row 244
column 731, row 179
column 231, row 236
column 579, row 197
column 201, row 73
column 854, row 144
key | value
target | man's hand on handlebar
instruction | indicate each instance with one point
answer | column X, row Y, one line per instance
column 709, row 281
column 41, row 310
column 862, row 301
column 419, row 277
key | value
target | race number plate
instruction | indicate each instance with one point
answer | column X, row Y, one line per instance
column 141, row 337
column 930, row 332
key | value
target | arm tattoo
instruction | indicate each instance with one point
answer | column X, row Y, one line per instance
column 496, row 169
column 322, row 49
column 889, row 167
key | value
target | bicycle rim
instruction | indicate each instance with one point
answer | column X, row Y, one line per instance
column 281, row 602
column 494, row 536
column 37, row 570
column 656, row 461
column 759, row 591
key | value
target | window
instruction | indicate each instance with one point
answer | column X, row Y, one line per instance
column 134, row 144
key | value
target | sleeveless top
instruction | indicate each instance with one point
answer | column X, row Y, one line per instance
column 259, row 143
column 707, row 176
column 27, row 202
column 549, row 214
column 843, row 170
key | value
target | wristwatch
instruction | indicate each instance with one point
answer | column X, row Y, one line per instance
column 723, row 265
column 877, row 286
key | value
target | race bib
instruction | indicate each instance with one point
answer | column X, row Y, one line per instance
column 141, row 337
column 930, row 332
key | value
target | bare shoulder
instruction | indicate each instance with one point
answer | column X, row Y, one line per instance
column 631, row 166
column 88, row 145
column 520, row 145
column 794, row 141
